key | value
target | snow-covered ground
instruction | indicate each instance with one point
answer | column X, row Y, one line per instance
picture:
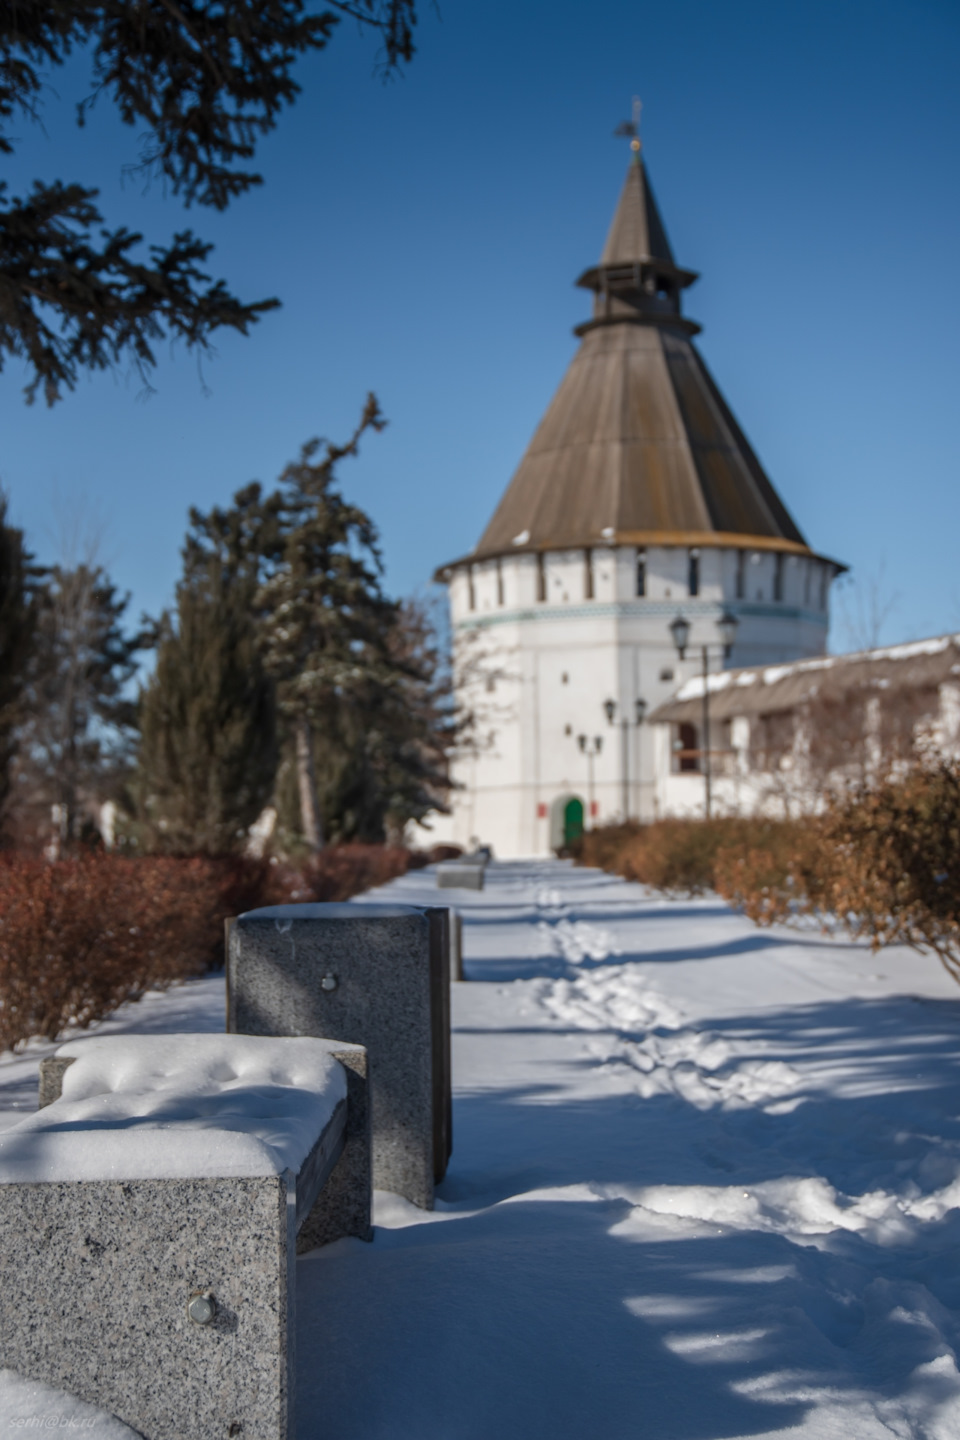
column 704, row 1185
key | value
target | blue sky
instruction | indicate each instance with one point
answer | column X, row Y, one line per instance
column 424, row 236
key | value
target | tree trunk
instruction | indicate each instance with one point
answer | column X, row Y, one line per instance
column 310, row 822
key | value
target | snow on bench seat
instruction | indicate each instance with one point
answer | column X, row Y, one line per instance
column 172, row 1107
column 149, row 1219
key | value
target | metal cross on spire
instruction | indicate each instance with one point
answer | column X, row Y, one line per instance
column 631, row 127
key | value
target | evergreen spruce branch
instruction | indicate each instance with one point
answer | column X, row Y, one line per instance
column 69, row 303
column 204, row 78
column 33, row 37
column 395, row 19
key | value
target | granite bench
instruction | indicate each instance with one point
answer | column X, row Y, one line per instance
column 380, row 974
column 150, row 1217
column 461, row 875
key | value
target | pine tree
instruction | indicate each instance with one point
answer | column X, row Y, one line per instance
column 287, row 675
column 208, row 747
column 324, row 620
column 78, row 721
column 17, row 623
column 384, row 762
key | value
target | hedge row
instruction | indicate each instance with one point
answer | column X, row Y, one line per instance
column 79, row 937
column 881, row 863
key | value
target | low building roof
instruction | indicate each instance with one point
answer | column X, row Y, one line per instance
column 766, row 689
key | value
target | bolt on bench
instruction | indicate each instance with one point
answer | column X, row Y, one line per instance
column 150, row 1217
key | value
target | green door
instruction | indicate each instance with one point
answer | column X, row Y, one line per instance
column 572, row 821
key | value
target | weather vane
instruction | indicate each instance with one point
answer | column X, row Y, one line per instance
column 632, row 127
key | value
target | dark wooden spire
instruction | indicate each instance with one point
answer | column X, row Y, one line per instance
column 637, row 232
column 638, row 445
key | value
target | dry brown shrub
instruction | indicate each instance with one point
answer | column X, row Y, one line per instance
column 335, row 874
column 677, row 856
column 778, row 879
column 881, row 863
column 79, row 937
column 894, row 853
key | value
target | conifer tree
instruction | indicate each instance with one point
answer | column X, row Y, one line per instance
column 78, row 719
column 382, row 758
column 207, row 717
column 324, row 620
column 17, row 622
column 286, row 674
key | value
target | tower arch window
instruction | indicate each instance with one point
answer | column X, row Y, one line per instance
column 541, row 577
column 471, row 590
column 641, row 573
column 588, row 574
column 740, row 584
column 693, row 573
column 499, row 581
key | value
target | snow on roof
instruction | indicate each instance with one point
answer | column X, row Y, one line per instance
column 154, row 1107
column 781, row 686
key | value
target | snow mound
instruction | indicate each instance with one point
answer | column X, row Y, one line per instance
column 155, row 1107
column 28, row 1405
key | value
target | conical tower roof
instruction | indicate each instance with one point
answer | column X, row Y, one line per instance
column 636, row 232
column 638, row 445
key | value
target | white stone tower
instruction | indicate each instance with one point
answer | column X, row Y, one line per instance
column 639, row 499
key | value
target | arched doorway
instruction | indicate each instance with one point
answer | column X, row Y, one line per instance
column 572, row 820
column 566, row 821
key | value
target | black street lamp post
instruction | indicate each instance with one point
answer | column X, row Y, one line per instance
column 610, row 708
column 727, row 629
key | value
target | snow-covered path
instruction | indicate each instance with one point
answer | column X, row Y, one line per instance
column 703, row 1185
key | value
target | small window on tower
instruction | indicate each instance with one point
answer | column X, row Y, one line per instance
column 641, row 572
column 564, row 678
column 741, row 581
column 471, row 590
column 693, row 573
column 499, row 582
column 541, row 579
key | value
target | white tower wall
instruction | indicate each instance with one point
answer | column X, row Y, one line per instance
column 536, row 673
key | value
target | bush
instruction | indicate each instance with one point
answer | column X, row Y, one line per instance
column 882, row 862
column 678, row 856
column 79, row 937
column 335, row 874
column 777, row 876
column 894, row 875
